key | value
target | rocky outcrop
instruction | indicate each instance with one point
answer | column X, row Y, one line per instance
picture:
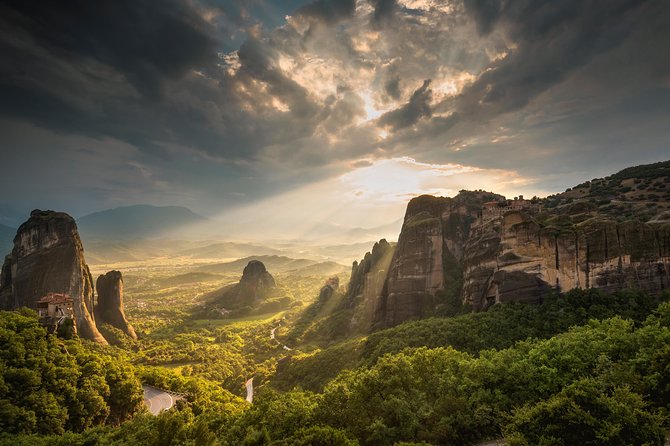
column 486, row 250
column 532, row 254
column 256, row 281
column 48, row 257
column 109, row 305
column 327, row 290
column 366, row 284
column 256, row 284
column 428, row 255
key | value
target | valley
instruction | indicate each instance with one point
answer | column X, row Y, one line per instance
column 334, row 223
column 489, row 320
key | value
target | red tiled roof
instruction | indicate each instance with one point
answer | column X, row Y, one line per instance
column 55, row 298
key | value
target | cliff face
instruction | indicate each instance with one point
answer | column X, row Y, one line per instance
column 531, row 255
column 47, row 258
column 611, row 233
column 109, row 307
column 428, row 255
column 366, row 284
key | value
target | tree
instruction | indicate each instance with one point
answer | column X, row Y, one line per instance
column 586, row 413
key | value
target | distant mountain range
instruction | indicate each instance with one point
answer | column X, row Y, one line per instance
column 111, row 251
column 137, row 222
column 140, row 232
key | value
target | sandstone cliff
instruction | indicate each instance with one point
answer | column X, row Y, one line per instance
column 366, row 284
column 48, row 257
column 428, row 256
column 109, row 305
column 611, row 233
column 530, row 255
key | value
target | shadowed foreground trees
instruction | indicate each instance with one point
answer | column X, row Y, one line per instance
column 603, row 382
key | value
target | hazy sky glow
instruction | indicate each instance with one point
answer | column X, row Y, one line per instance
column 335, row 111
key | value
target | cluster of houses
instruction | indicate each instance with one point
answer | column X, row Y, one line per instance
column 497, row 208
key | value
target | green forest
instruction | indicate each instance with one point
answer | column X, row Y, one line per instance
column 581, row 368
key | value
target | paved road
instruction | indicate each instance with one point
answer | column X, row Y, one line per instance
column 157, row 400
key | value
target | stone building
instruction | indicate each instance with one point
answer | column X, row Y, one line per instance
column 55, row 305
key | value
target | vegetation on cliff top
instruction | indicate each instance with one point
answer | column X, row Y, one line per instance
column 639, row 192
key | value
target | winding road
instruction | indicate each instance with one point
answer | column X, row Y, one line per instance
column 274, row 338
column 158, row 400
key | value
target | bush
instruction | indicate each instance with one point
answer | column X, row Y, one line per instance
column 586, row 413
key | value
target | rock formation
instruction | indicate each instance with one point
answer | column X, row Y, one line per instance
column 366, row 284
column 427, row 257
column 256, row 281
column 48, row 257
column 529, row 256
column 608, row 233
column 109, row 305
column 255, row 285
column 327, row 290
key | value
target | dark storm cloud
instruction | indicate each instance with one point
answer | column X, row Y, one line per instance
column 560, row 83
column 258, row 63
column 392, row 86
column 327, row 11
column 129, row 70
column 98, row 68
column 485, row 13
column 551, row 39
column 384, row 10
column 417, row 108
column 147, row 41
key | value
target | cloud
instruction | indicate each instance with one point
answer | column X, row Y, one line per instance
column 416, row 108
column 202, row 89
column 327, row 11
column 384, row 10
column 548, row 41
column 148, row 42
column 392, row 87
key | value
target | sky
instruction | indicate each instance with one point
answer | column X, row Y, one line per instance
column 295, row 114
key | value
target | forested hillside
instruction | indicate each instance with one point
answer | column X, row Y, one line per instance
column 571, row 371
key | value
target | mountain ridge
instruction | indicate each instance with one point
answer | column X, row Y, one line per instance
column 137, row 222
